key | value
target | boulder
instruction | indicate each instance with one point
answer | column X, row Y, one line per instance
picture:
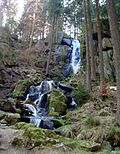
column 10, row 118
column 21, row 86
column 57, row 102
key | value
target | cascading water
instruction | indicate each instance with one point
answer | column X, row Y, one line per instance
column 73, row 55
column 38, row 109
column 75, row 58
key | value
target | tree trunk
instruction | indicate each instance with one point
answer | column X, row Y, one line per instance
column 101, row 69
column 33, row 25
column 88, row 76
column 91, row 46
column 116, row 45
column 50, row 46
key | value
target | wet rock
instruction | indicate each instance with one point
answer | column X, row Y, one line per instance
column 46, row 123
column 57, row 102
column 67, row 89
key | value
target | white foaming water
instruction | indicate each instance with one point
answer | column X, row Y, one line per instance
column 46, row 86
column 39, row 101
column 31, row 108
column 75, row 60
column 36, row 101
column 27, row 97
column 35, row 121
column 73, row 103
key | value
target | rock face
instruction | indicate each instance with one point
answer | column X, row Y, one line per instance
column 57, row 102
column 109, row 64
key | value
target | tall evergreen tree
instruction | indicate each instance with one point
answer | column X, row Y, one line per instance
column 88, row 65
column 102, row 80
column 91, row 46
column 116, row 45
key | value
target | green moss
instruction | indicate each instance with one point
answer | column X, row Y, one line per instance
column 23, row 125
column 73, row 116
column 67, row 131
column 104, row 152
column 57, row 102
column 17, row 142
column 43, row 137
column 80, row 94
column 53, row 114
column 12, row 118
column 21, row 86
column 93, row 120
column 59, row 122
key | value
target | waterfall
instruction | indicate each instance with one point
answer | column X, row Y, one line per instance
column 37, row 110
column 73, row 55
column 38, row 96
column 75, row 58
column 46, row 86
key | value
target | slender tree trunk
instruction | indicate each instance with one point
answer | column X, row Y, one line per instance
column 116, row 45
column 102, row 80
column 33, row 25
column 50, row 46
column 91, row 46
column 88, row 79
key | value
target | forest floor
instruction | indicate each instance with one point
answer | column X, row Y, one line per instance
column 7, row 134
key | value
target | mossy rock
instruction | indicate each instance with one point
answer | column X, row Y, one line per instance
column 42, row 137
column 57, row 102
column 21, row 86
column 23, row 125
column 18, row 142
column 12, row 118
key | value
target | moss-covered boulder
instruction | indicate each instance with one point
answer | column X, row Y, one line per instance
column 57, row 102
column 21, row 86
column 9, row 118
column 33, row 137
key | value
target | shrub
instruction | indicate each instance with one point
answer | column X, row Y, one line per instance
column 80, row 94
